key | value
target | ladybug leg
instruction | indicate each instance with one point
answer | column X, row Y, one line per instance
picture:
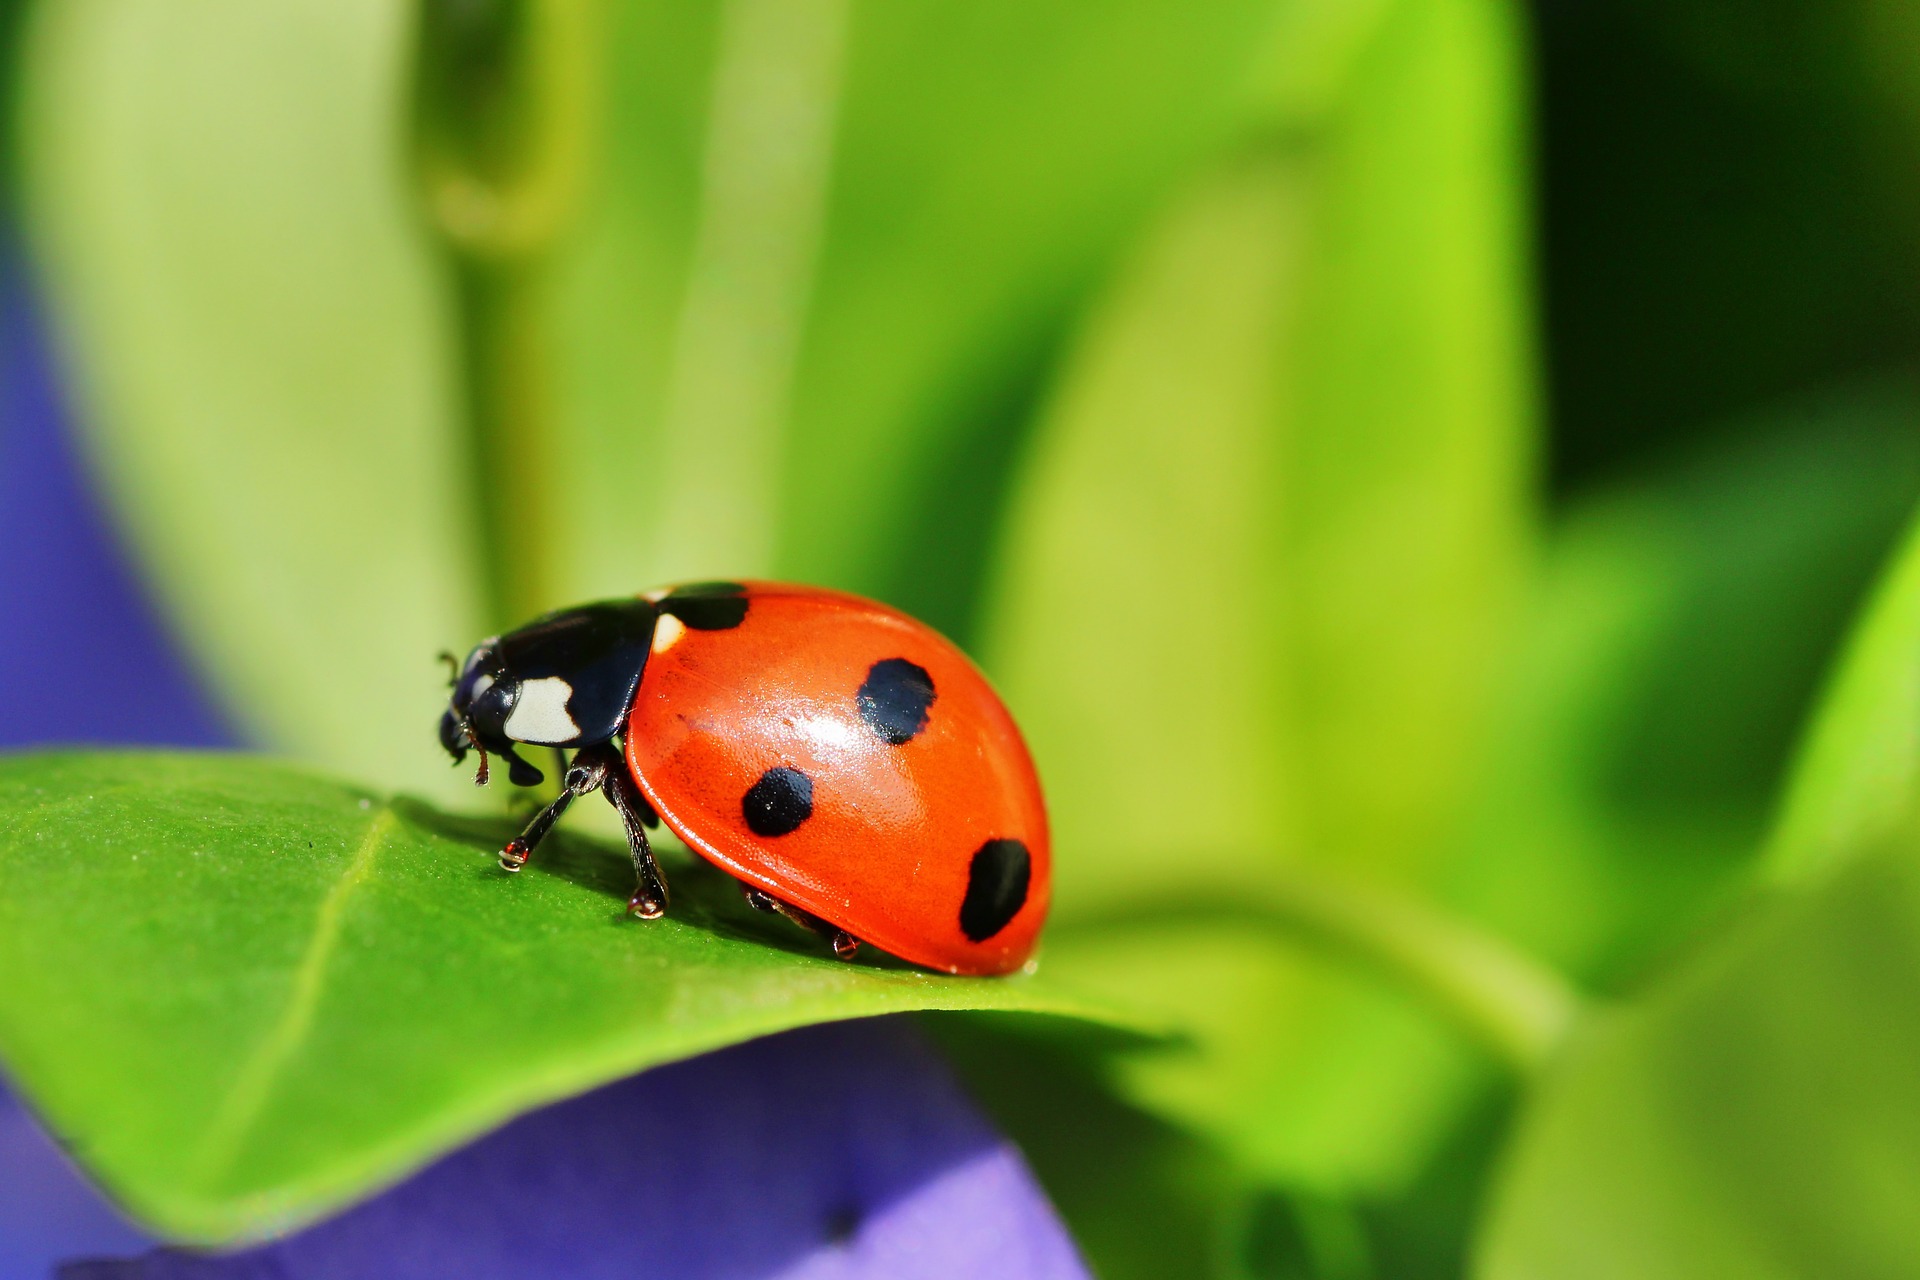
column 586, row 773
column 649, row 900
column 845, row 945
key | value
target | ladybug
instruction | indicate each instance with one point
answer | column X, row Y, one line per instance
column 847, row 764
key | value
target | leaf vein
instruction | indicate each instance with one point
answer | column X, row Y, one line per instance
column 253, row 1084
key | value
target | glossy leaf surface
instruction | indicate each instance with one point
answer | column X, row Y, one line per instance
column 243, row 995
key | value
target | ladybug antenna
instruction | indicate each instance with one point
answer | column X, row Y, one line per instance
column 453, row 668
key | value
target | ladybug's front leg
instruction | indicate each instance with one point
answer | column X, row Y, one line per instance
column 588, row 770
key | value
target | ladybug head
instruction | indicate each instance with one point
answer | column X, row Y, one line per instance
column 563, row 680
column 484, row 695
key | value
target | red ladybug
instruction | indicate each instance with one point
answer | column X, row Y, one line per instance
column 847, row 764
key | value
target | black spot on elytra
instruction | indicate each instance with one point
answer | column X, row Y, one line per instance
column 779, row 802
column 707, row 606
column 996, row 888
column 894, row 699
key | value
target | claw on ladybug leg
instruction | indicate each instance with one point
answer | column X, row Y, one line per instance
column 582, row 776
column 845, row 945
column 761, row 900
column 521, row 847
column 649, row 900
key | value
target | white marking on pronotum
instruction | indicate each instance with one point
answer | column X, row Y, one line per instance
column 666, row 632
column 540, row 712
column 656, row 595
column 481, row 685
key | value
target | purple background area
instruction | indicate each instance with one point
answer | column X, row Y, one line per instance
column 837, row 1151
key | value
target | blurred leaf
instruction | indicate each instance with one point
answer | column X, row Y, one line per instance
column 242, row 994
column 1145, row 1199
column 825, row 248
column 1735, row 230
column 1858, row 775
column 1752, row 1115
column 1685, row 618
column 1426, row 1233
column 834, row 245
column 214, row 196
column 1681, row 626
column 1259, row 570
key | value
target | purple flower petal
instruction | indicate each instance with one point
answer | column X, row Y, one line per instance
column 831, row 1153
column 47, row 1210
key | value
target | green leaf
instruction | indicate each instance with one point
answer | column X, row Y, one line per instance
column 812, row 322
column 1144, row 1198
column 243, row 995
column 1858, row 775
column 1683, row 624
column 1259, row 570
column 1752, row 1115
column 816, row 263
column 261, row 355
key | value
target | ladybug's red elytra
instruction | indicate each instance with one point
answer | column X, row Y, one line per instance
column 847, row 764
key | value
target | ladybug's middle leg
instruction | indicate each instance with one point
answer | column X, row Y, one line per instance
column 649, row 900
column 845, row 945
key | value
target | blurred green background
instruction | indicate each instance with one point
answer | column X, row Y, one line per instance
column 1411, row 466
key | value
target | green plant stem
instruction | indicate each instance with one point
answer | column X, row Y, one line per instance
column 503, row 106
column 508, row 435
column 1514, row 1004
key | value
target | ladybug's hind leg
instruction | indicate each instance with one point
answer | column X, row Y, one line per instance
column 845, row 945
column 649, row 900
